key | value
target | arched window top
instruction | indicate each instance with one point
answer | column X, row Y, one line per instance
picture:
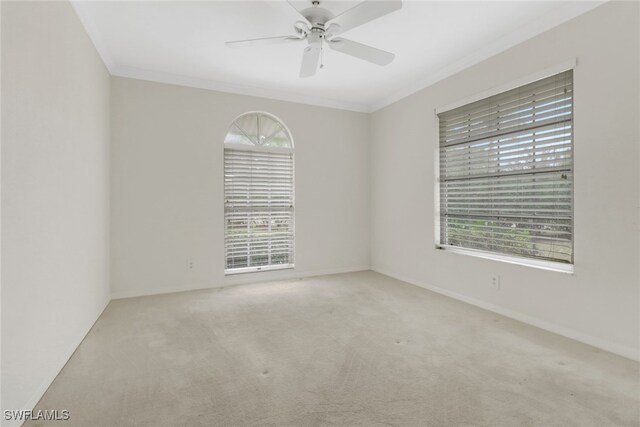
column 259, row 129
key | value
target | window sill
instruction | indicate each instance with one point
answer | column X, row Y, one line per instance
column 231, row 272
column 527, row 262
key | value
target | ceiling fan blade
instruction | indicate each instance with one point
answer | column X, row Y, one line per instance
column 362, row 51
column 288, row 9
column 364, row 12
column 332, row 30
column 300, row 15
column 310, row 58
column 263, row 40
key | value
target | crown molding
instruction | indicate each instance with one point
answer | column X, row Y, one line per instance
column 544, row 23
column 156, row 76
column 161, row 77
column 92, row 30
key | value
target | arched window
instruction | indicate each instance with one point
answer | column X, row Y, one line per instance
column 258, row 194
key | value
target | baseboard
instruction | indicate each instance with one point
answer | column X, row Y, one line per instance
column 620, row 350
column 611, row 347
column 239, row 279
column 44, row 385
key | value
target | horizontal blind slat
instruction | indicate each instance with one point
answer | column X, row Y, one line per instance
column 259, row 214
column 555, row 96
column 506, row 172
column 563, row 80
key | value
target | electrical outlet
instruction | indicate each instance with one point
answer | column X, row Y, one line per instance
column 190, row 265
column 495, row 283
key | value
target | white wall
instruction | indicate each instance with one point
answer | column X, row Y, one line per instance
column 55, row 194
column 166, row 189
column 600, row 302
column 167, row 186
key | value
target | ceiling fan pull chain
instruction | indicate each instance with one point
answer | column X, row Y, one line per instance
column 321, row 52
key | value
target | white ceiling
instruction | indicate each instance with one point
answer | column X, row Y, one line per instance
column 183, row 42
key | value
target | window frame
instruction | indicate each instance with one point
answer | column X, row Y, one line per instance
column 551, row 265
column 260, row 149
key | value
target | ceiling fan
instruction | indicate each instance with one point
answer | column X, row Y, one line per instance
column 318, row 26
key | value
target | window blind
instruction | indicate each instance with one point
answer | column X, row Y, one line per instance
column 259, row 217
column 506, row 172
